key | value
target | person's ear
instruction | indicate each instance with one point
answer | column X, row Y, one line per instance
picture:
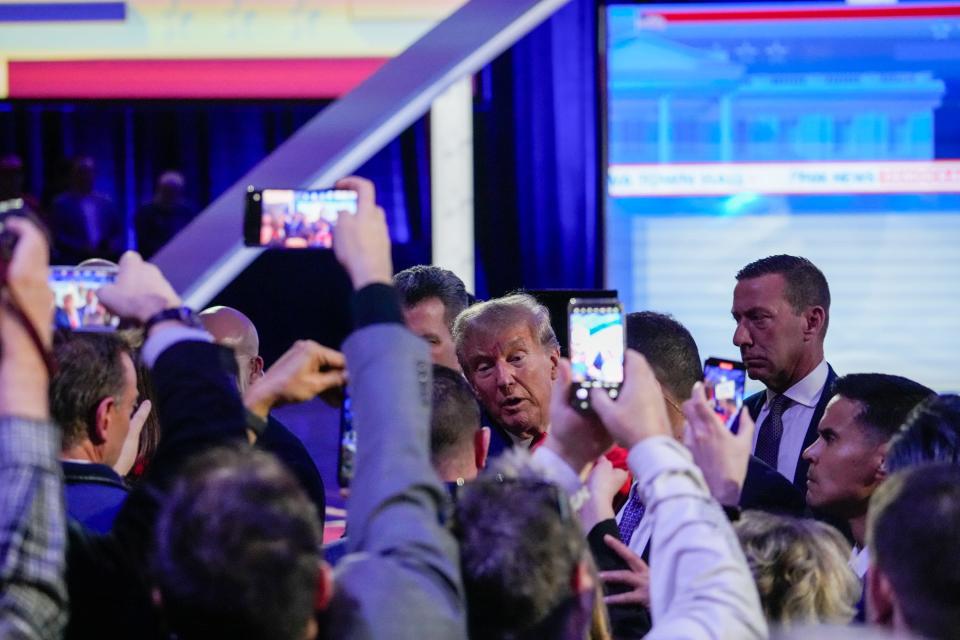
column 101, row 420
column 554, row 362
column 256, row 369
column 881, row 472
column 324, row 593
column 481, row 446
column 582, row 580
column 814, row 320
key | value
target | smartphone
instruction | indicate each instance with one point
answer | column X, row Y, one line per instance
column 597, row 346
column 75, row 295
column 346, row 459
column 724, row 381
column 294, row 218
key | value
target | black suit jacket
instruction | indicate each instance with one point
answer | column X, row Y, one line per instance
column 627, row 622
column 288, row 448
column 499, row 440
column 765, row 489
column 755, row 403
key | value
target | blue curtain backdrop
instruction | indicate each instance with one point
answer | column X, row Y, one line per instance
column 538, row 220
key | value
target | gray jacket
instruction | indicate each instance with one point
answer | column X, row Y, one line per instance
column 401, row 577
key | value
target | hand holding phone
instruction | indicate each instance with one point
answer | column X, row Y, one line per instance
column 596, row 348
column 78, row 306
column 294, row 218
column 724, row 382
column 346, row 458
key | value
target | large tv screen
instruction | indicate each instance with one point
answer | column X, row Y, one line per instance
column 829, row 130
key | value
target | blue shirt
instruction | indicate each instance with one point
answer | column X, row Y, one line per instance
column 94, row 494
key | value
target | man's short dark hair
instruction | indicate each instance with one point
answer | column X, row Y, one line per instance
column 455, row 414
column 806, row 286
column 931, row 433
column 420, row 282
column 912, row 531
column 90, row 368
column 886, row 400
column 669, row 348
column 519, row 550
column 237, row 549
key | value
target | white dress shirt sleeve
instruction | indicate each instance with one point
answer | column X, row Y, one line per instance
column 700, row 584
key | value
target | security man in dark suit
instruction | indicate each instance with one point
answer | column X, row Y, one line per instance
column 781, row 305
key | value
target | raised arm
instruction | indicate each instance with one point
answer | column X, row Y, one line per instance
column 700, row 585
column 403, row 580
column 33, row 593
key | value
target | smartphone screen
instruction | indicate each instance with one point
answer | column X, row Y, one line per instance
column 75, row 295
column 295, row 218
column 596, row 348
column 348, row 444
column 724, row 381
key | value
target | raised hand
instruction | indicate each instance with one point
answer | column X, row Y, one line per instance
column 131, row 444
column 23, row 369
column 304, row 372
column 604, row 482
column 721, row 455
column 361, row 242
column 140, row 291
column 576, row 437
column 637, row 577
column 26, row 280
column 639, row 411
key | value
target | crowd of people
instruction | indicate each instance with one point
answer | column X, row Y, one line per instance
column 87, row 223
column 148, row 492
column 282, row 228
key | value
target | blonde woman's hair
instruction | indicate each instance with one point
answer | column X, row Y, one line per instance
column 800, row 567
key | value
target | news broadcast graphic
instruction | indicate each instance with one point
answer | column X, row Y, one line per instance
column 828, row 130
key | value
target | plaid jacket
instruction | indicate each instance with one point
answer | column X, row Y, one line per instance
column 33, row 593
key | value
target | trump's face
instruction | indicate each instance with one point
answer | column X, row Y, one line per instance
column 512, row 375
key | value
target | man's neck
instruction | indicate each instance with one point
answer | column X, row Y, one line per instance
column 453, row 470
column 677, row 423
column 519, row 439
column 85, row 451
column 803, row 368
column 858, row 527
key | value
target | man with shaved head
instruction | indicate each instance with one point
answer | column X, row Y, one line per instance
column 233, row 329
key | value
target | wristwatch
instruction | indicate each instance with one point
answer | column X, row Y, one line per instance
column 183, row 315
